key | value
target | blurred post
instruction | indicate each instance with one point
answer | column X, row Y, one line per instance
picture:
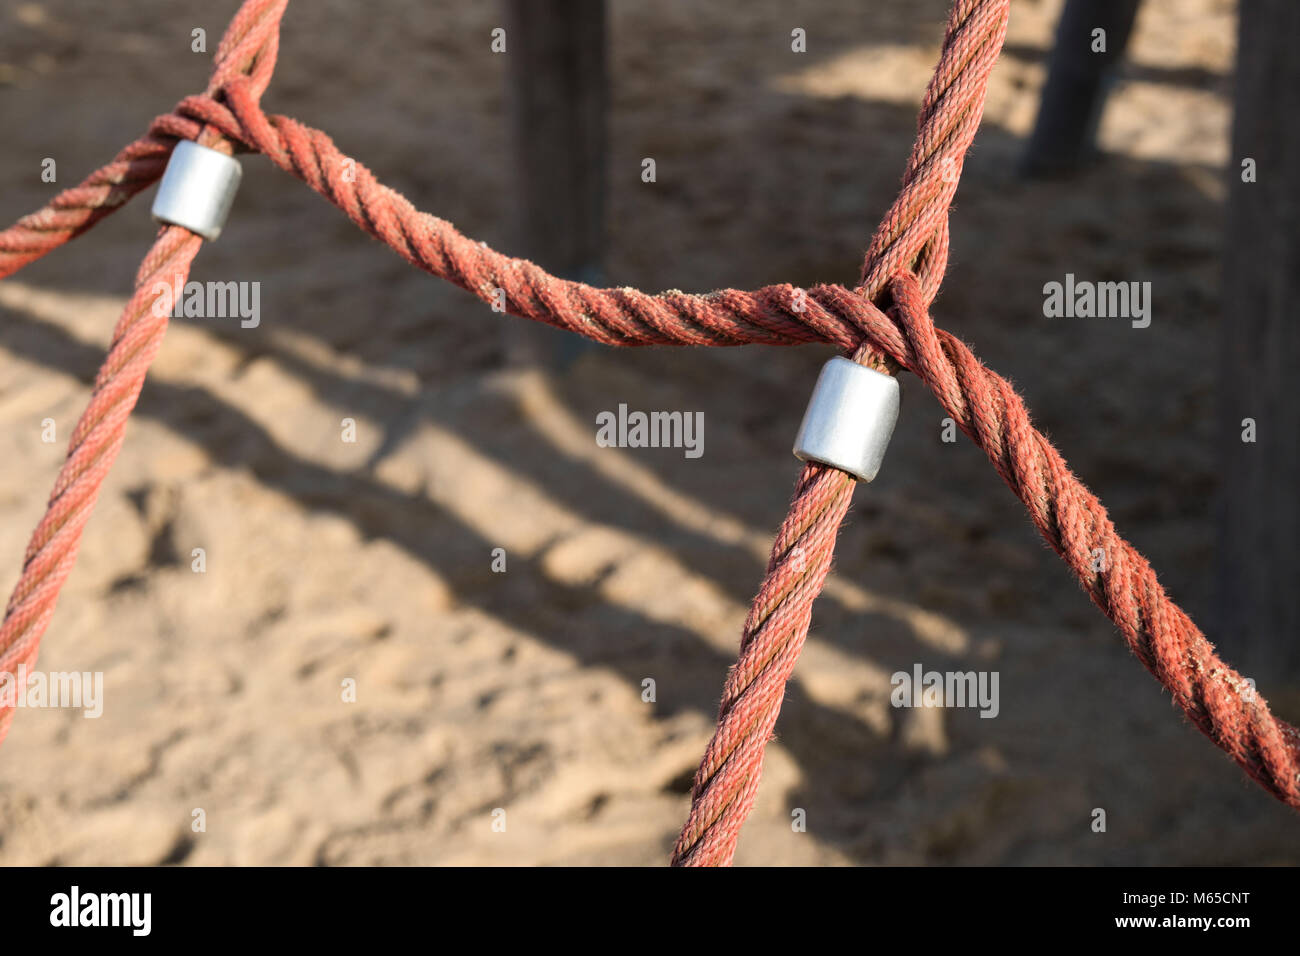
column 558, row 96
column 1259, row 534
column 1079, row 78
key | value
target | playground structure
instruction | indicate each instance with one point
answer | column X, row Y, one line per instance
column 884, row 323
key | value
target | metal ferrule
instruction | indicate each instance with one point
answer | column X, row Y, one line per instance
column 197, row 189
column 850, row 418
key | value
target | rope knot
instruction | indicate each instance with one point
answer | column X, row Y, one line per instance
column 249, row 48
column 242, row 70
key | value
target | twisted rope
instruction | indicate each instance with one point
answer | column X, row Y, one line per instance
column 727, row 779
column 248, row 48
column 95, row 443
column 911, row 240
column 248, row 52
column 884, row 322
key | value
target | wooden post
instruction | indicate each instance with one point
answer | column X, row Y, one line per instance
column 558, row 97
column 1258, row 556
column 1079, row 78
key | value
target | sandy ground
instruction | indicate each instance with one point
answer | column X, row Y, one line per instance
column 371, row 561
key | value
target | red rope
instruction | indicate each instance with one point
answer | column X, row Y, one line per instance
column 885, row 322
column 911, row 240
column 727, row 779
column 247, row 51
column 95, row 443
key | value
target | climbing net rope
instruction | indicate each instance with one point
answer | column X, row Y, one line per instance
column 883, row 322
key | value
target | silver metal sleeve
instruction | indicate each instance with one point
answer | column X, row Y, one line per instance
column 850, row 418
column 197, row 189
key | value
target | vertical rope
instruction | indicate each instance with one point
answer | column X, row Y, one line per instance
column 912, row 236
column 248, row 49
column 94, row 446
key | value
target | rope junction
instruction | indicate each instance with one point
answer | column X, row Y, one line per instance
column 883, row 322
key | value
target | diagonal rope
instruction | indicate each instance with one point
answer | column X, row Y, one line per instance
column 95, row 443
column 248, row 52
column 248, row 47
